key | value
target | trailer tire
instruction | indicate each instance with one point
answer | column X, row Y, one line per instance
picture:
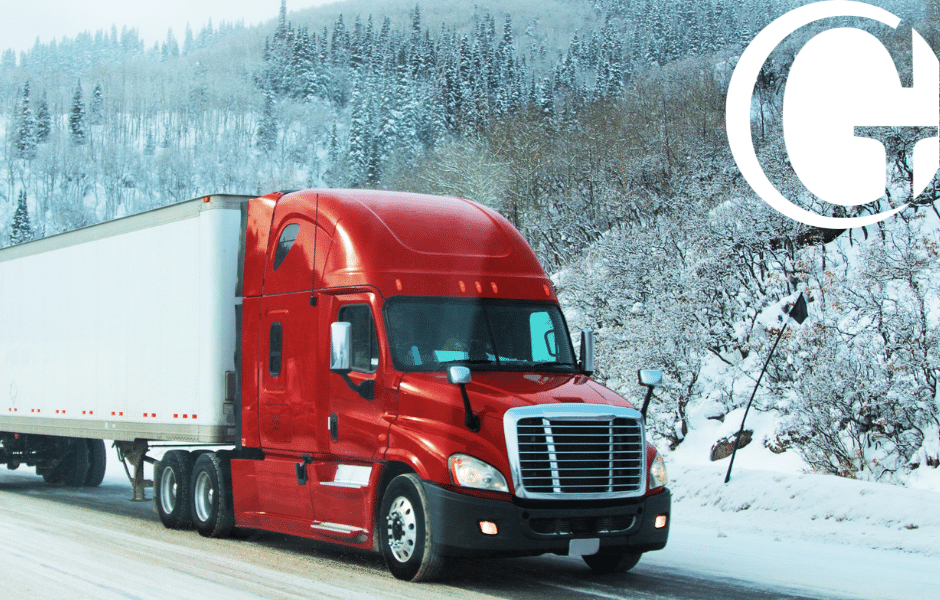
column 605, row 563
column 213, row 513
column 51, row 476
column 73, row 467
column 405, row 531
column 172, row 476
column 97, row 463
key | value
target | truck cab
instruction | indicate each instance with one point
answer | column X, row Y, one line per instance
column 409, row 385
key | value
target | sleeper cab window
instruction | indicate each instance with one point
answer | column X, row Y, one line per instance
column 284, row 243
column 364, row 346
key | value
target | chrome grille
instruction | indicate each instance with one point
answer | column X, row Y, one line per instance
column 578, row 455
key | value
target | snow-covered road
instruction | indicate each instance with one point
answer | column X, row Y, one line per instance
column 94, row 543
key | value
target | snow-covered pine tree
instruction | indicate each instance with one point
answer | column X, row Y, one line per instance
column 77, row 117
column 506, row 95
column 614, row 54
column 43, row 121
column 690, row 21
column 189, row 44
column 20, row 230
column 26, row 129
column 358, row 135
column 96, row 106
column 357, row 45
column 170, row 48
column 267, row 126
column 303, row 67
column 721, row 17
column 150, row 144
column 339, row 48
column 417, row 55
column 334, row 156
column 8, row 60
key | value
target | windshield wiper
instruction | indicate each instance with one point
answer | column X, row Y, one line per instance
column 467, row 361
column 553, row 364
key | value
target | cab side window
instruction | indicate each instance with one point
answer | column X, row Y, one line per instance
column 284, row 243
column 365, row 345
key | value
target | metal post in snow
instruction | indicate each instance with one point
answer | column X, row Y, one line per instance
column 797, row 313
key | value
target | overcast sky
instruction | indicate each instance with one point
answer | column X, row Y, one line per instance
column 22, row 21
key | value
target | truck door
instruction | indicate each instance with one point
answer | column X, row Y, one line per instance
column 357, row 426
column 356, row 429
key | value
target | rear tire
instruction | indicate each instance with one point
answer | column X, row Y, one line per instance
column 405, row 532
column 213, row 513
column 97, row 463
column 171, row 492
column 604, row 563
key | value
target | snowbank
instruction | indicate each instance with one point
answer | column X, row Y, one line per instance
column 808, row 507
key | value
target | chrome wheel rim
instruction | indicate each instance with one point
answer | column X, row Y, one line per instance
column 402, row 529
column 204, row 496
column 168, row 490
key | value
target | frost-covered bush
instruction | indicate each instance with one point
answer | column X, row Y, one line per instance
column 865, row 381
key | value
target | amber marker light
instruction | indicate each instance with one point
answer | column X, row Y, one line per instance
column 398, row 285
column 488, row 528
column 463, row 287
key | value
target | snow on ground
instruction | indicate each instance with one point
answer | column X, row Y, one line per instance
column 808, row 507
column 776, row 523
column 775, row 496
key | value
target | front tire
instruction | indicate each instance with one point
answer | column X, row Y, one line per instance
column 405, row 531
column 212, row 511
column 605, row 563
column 171, row 492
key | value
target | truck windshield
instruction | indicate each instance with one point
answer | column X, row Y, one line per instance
column 431, row 334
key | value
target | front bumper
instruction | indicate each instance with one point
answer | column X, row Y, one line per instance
column 527, row 528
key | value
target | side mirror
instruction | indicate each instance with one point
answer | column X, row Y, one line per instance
column 340, row 351
column 650, row 377
column 587, row 351
column 458, row 375
column 461, row 376
column 341, row 359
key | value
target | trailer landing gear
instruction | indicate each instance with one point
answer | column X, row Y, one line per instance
column 135, row 453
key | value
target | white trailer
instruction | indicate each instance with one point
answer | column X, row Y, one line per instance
column 141, row 346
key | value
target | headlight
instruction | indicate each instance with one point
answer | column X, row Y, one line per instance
column 472, row 472
column 658, row 473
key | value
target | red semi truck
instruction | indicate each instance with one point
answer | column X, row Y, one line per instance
column 382, row 370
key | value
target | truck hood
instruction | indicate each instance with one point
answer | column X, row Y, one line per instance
column 491, row 394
